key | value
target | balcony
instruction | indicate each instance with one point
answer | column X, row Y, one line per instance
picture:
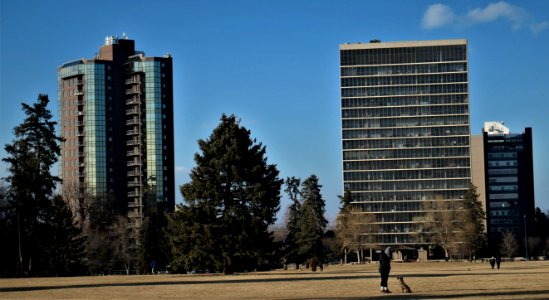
column 134, row 163
column 81, row 154
column 133, row 132
column 79, row 93
column 134, row 184
column 134, row 173
column 133, row 142
column 134, row 152
column 132, row 111
column 80, row 133
column 133, row 194
column 80, row 102
column 133, row 122
column 132, row 81
column 79, row 82
column 81, row 123
column 81, row 174
column 133, row 204
column 133, row 91
column 132, row 101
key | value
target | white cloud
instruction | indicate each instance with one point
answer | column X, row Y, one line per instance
column 494, row 11
column 539, row 27
column 437, row 15
column 440, row 15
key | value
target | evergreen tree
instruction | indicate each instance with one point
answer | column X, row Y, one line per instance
column 292, row 223
column 312, row 222
column 64, row 243
column 30, row 158
column 541, row 229
column 239, row 193
column 193, row 240
column 153, row 245
column 476, row 235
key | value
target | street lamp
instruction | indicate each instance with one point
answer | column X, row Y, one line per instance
column 525, row 238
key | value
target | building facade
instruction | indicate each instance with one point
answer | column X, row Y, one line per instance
column 405, row 131
column 509, row 181
column 116, row 116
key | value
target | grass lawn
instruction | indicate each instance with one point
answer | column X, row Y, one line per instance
column 430, row 280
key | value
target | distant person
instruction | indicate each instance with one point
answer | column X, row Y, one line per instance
column 312, row 263
column 498, row 261
column 492, row 262
column 153, row 266
column 385, row 268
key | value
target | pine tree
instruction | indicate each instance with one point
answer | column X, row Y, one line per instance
column 30, row 158
column 476, row 235
column 239, row 192
column 312, row 222
column 292, row 224
column 64, row 243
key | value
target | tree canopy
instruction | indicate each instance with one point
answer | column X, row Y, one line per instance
column 40, row 229
column 312, row 222
column 233, row 196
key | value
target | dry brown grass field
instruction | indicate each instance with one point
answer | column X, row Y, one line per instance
column 430, row 280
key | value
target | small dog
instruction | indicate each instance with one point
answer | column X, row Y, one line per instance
column 405, row 288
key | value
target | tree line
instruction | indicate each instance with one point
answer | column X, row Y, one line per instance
column 224, row 225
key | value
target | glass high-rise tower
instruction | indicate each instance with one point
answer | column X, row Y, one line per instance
column 509, row 182
column 116, row 117
column 405, row 130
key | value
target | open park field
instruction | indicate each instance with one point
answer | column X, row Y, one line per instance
column 429, row 280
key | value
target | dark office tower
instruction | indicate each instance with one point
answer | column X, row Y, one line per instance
column 405, row 121
column 116, row 115
column 509, row 175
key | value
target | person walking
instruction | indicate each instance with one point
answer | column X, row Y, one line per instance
column 498, row 261
column 385, row 268
column 492, row 262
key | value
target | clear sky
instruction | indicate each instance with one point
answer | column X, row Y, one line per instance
column 275, row 64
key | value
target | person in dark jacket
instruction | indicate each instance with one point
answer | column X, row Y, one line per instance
column 498, row 260
column 385, row 268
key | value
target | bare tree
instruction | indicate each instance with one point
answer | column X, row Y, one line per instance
column 348, row 232
column 509, row 244
column 354, row 232
column 123, row 249
column 446, row 225
column 77, row 200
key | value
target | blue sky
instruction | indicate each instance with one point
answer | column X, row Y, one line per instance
column 275, row 64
